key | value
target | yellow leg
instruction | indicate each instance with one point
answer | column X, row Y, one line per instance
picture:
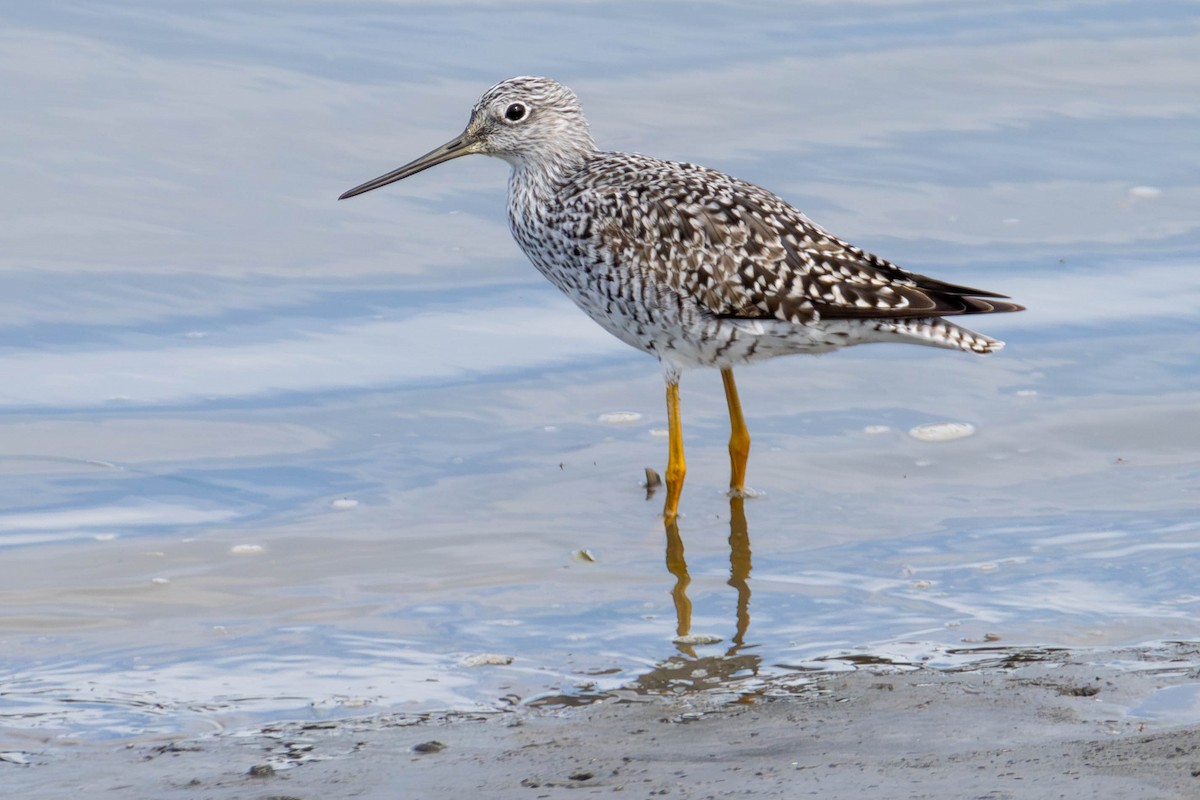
column 676, row 468
column 739, row 436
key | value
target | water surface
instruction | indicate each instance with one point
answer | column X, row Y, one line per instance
column 266, row 455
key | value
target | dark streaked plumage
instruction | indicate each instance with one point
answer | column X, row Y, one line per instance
column 689, row 264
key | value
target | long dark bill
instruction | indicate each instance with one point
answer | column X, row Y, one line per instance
column 460, row 146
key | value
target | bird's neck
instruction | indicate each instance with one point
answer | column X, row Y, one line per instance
column 534, row 181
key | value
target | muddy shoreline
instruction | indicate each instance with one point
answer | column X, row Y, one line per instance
column 1073, row 724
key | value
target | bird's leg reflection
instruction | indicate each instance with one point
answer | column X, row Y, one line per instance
column 677, row 566
column 739, row 575
column 739, row 566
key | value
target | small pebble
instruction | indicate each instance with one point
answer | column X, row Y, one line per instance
column 485, row 660
column 697, row 638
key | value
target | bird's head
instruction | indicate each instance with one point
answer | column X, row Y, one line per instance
column 526, row 121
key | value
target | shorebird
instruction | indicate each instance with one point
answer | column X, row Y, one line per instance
column 690, row 265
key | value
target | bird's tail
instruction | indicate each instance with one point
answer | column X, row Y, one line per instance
column 937, row 332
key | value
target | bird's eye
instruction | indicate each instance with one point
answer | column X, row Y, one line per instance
column 515, row 112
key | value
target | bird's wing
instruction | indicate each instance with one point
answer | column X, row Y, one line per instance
column 741, row 251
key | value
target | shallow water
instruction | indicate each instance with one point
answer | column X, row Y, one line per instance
column 266, row 455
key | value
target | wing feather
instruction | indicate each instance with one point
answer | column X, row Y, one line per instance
column 740, row 251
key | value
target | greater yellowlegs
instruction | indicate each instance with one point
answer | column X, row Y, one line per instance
column 688, row 264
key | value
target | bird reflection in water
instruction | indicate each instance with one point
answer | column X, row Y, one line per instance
column 687, row 670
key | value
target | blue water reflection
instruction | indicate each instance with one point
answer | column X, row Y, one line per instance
column 269, row 455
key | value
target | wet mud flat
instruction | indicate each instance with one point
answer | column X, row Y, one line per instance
column 1079, row 724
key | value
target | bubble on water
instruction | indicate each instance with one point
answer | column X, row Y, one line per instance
column 942, row 431
column 618, row 417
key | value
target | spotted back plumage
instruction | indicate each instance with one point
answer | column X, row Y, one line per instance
column 740, row 251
